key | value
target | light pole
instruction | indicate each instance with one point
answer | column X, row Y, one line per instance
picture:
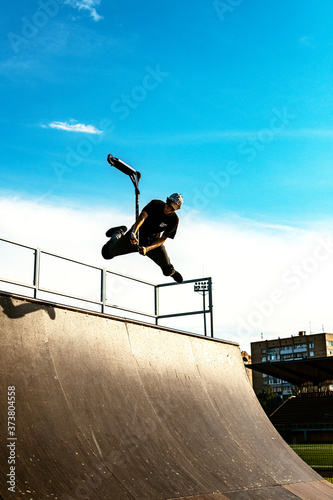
column 202, row 287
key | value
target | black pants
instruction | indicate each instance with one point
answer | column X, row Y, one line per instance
column 123, row 246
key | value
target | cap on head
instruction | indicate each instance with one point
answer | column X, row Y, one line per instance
column 176, row 198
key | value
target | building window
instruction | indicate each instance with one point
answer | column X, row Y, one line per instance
column 286, row 348
column 330, row 343
column 273, row 353
column 299, row 347
column 264, row 375
column 273, row 357
column 311, row 345
column 311, row 354
column 330, row 352
column 263, row 359
column 300, row 355
column 263, row 351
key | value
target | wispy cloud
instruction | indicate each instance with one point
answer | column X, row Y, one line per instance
column 312, row 132
column 216, row 136
column 87, row 5
column 307, row 41
column 74, row 127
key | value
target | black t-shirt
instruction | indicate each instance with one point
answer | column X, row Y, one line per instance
column 157, row 222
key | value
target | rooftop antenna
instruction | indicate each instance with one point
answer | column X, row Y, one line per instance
column 310, row 327
column 322, row 327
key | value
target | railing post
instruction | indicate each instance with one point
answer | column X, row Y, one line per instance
column 36, row 272
column 156, row 303
column 103, row 289
column 210, row 287
column 204, row 312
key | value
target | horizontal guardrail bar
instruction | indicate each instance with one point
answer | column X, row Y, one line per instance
column 183, row 283
column 69, row 259
column 76, row 297
column 131, row 311
column 304, row 427
column 189, row 313
column 132, row 278
column 18, row 283
column 18, row 244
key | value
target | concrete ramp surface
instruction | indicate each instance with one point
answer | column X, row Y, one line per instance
column 112, row 409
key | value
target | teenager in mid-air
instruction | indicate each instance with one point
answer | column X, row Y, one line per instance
column 157, row 222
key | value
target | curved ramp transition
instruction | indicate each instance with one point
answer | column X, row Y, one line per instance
column 113, row 409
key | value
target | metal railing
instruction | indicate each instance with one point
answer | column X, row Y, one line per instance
column 304, row 427
column 38, row 291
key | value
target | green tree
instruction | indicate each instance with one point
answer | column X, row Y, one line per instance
column 269, row 400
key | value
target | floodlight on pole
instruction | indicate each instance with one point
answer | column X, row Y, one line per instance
column 201, row 286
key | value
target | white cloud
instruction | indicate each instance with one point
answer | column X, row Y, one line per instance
column 86, row 5
column 217, row 136
column 307, row 41
column 197, row 137
column 312, row 132
column 75, row 127
column 266, row 278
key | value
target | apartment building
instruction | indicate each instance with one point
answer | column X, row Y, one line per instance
column 293, row 348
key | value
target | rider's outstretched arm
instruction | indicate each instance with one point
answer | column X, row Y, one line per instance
column 158, row 243
column 138, row 223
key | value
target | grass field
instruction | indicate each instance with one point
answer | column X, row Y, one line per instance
column 318, row 456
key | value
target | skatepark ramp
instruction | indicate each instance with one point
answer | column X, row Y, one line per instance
column 97, row 407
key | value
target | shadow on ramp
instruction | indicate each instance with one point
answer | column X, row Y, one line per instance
column 18, row 311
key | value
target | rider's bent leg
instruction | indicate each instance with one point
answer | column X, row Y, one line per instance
column 160, row 256
column 121, row 246
column 168, row 270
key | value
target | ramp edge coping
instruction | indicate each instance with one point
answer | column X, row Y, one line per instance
column 116, row 318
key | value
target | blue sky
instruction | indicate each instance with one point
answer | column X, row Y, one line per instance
column 221, row 76
column 229, row 102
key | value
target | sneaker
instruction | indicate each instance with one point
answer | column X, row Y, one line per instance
column 110, row 232
column 177, row 277
column 117, row 234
